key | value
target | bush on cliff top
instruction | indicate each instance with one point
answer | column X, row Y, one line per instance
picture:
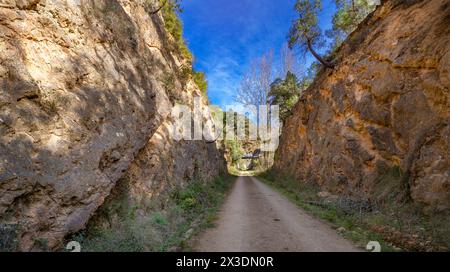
column 174, row 26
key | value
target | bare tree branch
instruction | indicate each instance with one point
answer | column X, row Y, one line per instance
column 289, row 63
column 255, row 84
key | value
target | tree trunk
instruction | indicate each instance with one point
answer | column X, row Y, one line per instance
column 318, row 57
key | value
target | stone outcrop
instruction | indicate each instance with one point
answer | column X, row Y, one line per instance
column 86, row 91
column 383, row 110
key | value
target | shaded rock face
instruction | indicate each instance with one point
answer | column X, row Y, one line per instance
column 84, row 101
column 385, row 106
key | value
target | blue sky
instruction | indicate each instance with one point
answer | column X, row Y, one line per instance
column 226, row 35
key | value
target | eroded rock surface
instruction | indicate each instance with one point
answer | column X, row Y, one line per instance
column 85, row 100
column 385, row 106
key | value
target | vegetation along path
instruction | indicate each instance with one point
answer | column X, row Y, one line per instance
column 257, row 218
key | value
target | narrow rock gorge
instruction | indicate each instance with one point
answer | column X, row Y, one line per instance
column 87, row 147
column 87, row 89
column 377, row 125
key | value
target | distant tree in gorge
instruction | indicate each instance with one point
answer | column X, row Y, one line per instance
column 285, row 93
column 305, row 32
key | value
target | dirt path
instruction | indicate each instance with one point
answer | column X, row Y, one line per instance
column 257, row 218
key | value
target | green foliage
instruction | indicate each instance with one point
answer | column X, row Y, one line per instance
column 158, row 227
column 159, row 219
column 127, row 236
column 285, row 93
column 169, row 82
column 200, row 80
column 187, row 199
column 233, row 146
column 350, row 13
column 235, row 149
column 238, row 120
column 52, row 106
column 304, row 194
column 360, row 226
column 305, row 32
column 218, row 115
column 310, row 75
column 234, row 171
column 174, row 26
column 186, row 72
column 305, row 28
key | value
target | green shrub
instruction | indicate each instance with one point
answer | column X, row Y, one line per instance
column 236, row 151
column 200, row 80
column 161, row 228
column 362, row 226
column 169, row 82
column 174, row 26
column 159, row 219
column 185, row 73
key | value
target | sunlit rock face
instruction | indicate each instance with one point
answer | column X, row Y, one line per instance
column 379, row 122
column 84, row 101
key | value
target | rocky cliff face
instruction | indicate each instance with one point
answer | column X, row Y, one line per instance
column 384, row 109
column 87, row 88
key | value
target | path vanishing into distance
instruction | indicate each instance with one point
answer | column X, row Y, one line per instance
column 254, row 217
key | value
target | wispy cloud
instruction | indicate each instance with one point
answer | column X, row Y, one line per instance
column 225, row 36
